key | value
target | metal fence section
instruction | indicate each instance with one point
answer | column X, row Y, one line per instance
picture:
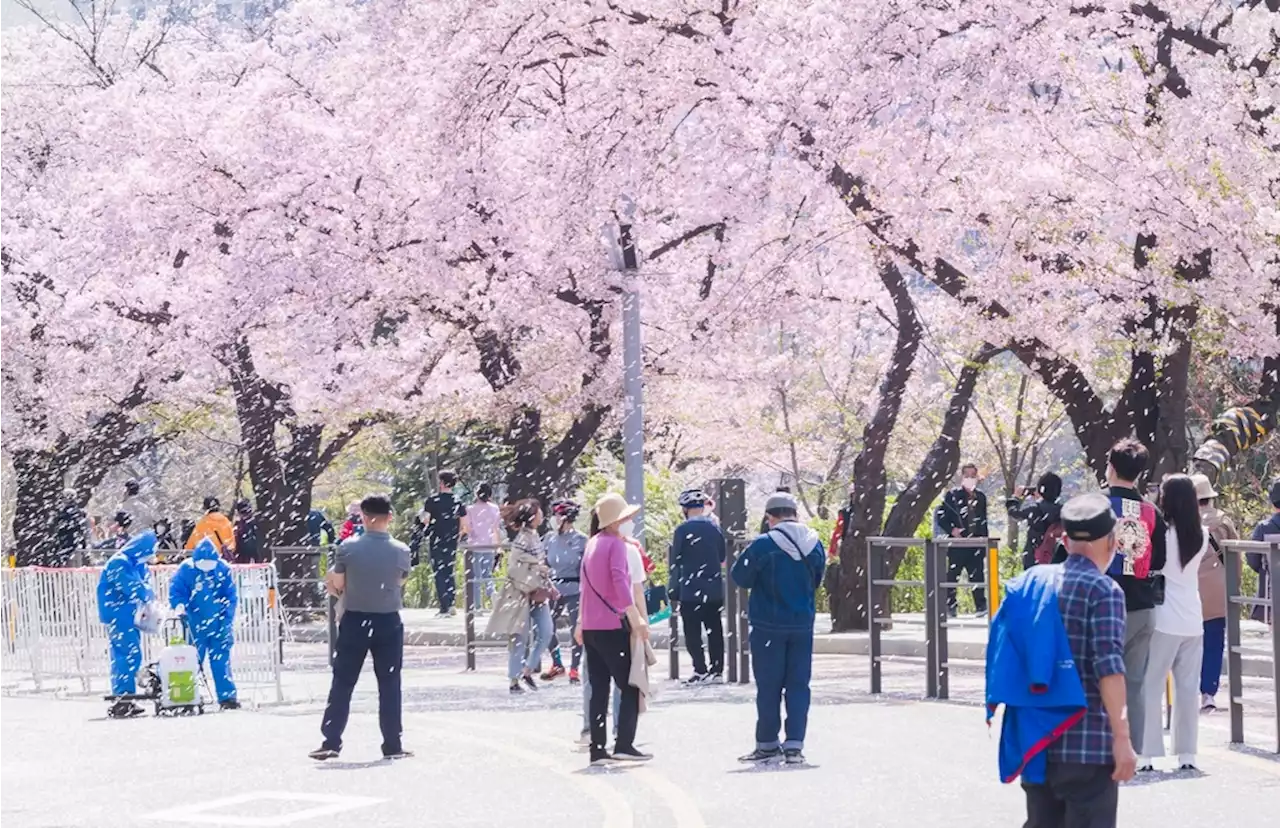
column 737, row 646
column 55, row 642
column 936, row 621
column 1234, row 552
column 879, row 550
column 878, row 617
column 473, row 587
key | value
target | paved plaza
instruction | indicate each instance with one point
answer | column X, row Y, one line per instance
column 485, row 758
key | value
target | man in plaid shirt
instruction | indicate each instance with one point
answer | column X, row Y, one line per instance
column 1086, row 765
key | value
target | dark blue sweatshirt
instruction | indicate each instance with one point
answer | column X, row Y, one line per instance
column 697, row 555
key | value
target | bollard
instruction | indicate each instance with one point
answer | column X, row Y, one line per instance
column 673, row 647
column 873, row 617
column 469, row 605
column 731, row 611
column 939, row 645
column 1235, row 664
column 993, row 580
column 933, row 598
column 744, row 638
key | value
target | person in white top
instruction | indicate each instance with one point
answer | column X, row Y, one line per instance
column 1177, row 642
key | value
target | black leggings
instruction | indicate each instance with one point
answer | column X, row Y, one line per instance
column 609, row 659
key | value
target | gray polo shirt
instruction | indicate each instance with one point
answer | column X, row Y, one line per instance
column 374, row 563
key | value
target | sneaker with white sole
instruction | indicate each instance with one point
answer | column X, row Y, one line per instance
column 631, row 754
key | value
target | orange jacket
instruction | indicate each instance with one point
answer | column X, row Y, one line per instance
column 217, row 527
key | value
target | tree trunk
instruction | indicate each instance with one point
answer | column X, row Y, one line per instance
column 282, row 477
column 848, row 599
column 37, row 498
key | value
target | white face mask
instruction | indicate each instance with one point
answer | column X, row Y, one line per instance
column 969, row 483
column 627, row 528
column 206, row 566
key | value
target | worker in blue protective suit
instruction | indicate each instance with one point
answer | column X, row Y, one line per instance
column 1030, row 670
column 206, row 590
column 124, row 599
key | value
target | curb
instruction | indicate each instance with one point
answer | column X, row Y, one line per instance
column 1254, row 667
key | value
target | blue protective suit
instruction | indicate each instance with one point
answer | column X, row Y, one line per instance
column 123, row 588
column 1030, row 670
column 210, row 602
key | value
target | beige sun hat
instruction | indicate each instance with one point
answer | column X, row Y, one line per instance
column 1204, row 489
column 613, row 508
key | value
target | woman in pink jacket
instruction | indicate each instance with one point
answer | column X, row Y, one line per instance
column 607, row 619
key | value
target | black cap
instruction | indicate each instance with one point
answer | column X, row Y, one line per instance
column 1088, row 517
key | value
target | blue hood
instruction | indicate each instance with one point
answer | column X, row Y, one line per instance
column 205, row 551
column 1031, row 671
column 140, row 547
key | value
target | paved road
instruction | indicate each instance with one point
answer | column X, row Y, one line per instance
column 487, row 759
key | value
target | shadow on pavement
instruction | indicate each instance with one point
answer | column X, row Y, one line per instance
column 335, row 765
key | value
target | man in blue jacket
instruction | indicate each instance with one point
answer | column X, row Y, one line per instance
column 124, row 589
column 1031, row 671
column 783, row 569
column 1091, row 756
column 697, row 555
column 205, row 588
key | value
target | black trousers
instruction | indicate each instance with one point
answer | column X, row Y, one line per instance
column 443, row 559
column 609, row 659
column 1073, row 796
column 695, row 617
column 968, row 561
column 361, row 633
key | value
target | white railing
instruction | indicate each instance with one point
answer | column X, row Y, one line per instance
column 53, row 641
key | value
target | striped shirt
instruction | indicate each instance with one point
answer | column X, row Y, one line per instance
column 1092, row 608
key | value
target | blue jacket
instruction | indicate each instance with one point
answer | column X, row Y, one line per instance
column 1030, row 670
column 209, row 597
column 697, row 553
column 318, row 526
column 125, row 584
column 783, row 569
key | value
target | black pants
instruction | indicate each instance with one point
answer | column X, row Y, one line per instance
column 1073, row 796
column 359, row 633
column 609, row 659
column 968, row 561
column 443, row 559
column 694, row 617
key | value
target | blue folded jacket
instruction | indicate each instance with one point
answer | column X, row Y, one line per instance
column 1030, row 670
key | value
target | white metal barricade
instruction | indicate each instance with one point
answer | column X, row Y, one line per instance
column 53, row 640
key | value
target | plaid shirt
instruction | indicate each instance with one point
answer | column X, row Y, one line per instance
column 1092, row 607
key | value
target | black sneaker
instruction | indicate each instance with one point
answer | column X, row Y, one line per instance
column 631, row 754
column 399, row 754
column 529, row 682
column 696, row 679
column 1187, row 767
column 229, row 704
column 761, row 755
column 600, row 757
column 516, row 689
column 124, row 710
column 1147, row 769
column 322, row 753
column 793, row 756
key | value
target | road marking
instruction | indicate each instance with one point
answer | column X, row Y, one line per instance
column 617, row 813
column 681, row 805
column 208, row 812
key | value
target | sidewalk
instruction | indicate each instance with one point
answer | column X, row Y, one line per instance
column 966, row 637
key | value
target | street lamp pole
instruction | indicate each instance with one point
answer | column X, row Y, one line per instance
column 633, row 384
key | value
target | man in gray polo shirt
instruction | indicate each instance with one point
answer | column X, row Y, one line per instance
column 369, row 572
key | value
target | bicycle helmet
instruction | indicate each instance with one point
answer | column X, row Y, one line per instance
column 565, row 509
column 693, row 499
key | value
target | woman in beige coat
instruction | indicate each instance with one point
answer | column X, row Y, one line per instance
column 522, row 610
